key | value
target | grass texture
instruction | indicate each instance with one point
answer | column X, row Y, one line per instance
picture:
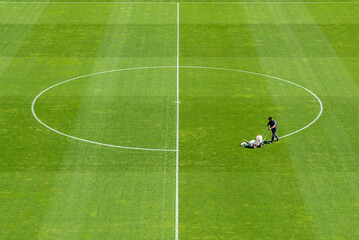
column 305, row 186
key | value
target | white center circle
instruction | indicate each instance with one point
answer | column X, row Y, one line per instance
column 157, row 67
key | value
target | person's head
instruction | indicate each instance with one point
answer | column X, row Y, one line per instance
column 270, row 119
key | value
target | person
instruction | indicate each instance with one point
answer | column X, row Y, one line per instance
column 274, row 128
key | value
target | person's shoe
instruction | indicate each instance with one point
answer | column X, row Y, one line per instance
column 278, row 139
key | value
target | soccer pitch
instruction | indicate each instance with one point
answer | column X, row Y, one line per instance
column 123, row 120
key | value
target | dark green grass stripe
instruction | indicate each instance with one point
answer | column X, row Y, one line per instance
column 31, row 150
column 137, row 199
column 227, row 108
column 322, row 152
column 7, row 43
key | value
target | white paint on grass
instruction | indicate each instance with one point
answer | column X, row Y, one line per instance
column 177, row 133
column 85, row 140
column 280, row 79
column 270, row 2
column 181, row 3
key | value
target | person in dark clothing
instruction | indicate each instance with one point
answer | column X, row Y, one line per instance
column 273, row 126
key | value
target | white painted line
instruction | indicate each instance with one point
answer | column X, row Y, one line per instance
column 85, row 140
column 177, row 134
column 89, row 2
column 269, row 2
column 177, row 131
column 181, row 3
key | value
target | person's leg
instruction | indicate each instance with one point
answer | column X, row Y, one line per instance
column 276, row 135
column 273, row 134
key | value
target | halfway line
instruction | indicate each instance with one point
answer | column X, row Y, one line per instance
column 182, row 2
column 177, row 132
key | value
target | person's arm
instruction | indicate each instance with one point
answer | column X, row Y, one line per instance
column 274, row 125
column 267, row 124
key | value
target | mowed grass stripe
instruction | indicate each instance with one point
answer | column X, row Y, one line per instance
column 30, row 165
column 137, row 204
column 86, row 191
column 239, row 193
column 304, row 187
column 317, row 64
column 21, row 200
column 69, row 206
column 14, row 32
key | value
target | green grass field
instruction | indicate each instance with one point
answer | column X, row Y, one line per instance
column 306, row 186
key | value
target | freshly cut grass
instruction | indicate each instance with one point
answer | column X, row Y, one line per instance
column 302, row 187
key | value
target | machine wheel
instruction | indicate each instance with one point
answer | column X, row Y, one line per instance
column 254, row 146
column 262, row 145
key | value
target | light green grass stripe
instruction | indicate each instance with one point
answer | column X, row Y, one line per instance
column 312, row 59
column 74, row 191
column 143, row 207
column 229, row 192
column 12, row 36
